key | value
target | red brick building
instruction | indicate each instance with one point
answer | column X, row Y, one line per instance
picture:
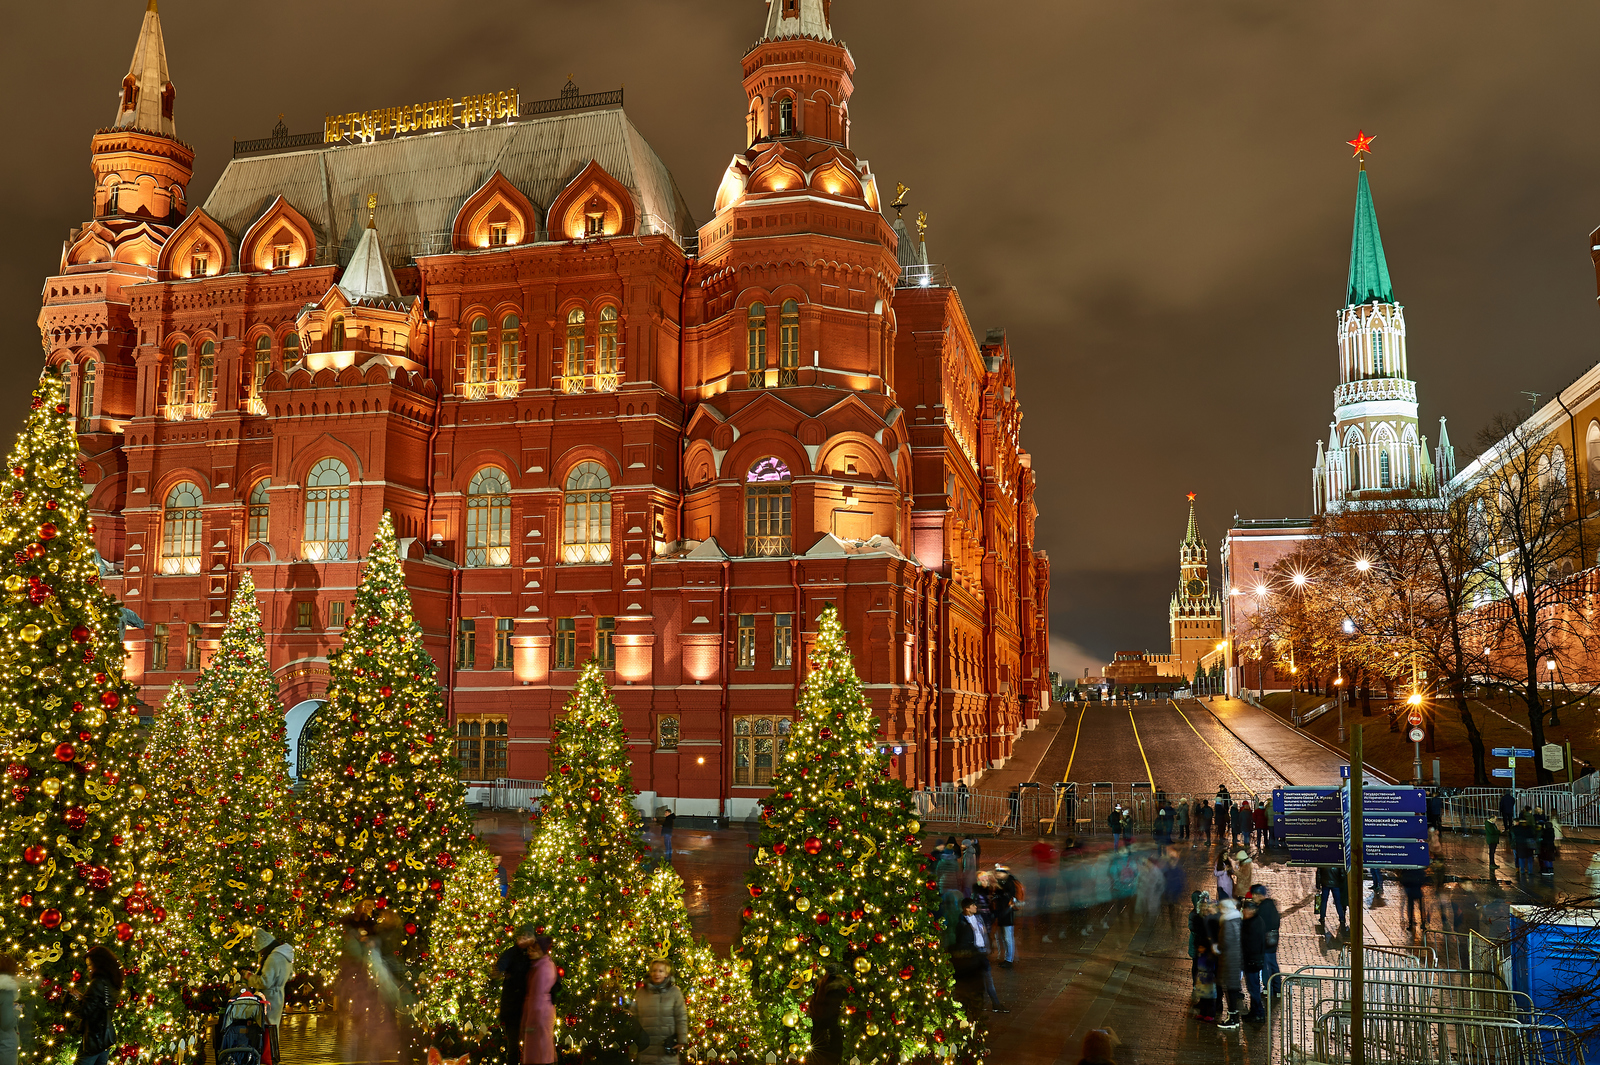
column 601, row 430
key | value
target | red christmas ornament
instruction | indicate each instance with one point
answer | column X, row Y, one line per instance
column 19, row 794
column 16, row 771
column 813, row 845
column 50, row 918
column 411, row 929
column 80, row 634
column 124, row 931
column 825, row 732
column 157, row 914
column 134, row 904
column 38, row 593
column 77, row 817
column 823, row 918
column 26, row 900
column 434, row 885
column 34, row 855
column 347, row 885
column 746, row 913
column 594, row 794
column 755, row 889
column 65, row 752
column 393, row 867
column 386, row 691
column 110, row 700
column 47, row 531
column 780, row 849
column 565, row 770
column 906, row 973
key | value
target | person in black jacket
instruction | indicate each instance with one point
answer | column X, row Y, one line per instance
column 1253, row 949
column 972, row 950
column 1203, row 816
column 513, row 967
column 95, row 1005
column 1267, row 914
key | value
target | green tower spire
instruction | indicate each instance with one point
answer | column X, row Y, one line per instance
column 1369, row 273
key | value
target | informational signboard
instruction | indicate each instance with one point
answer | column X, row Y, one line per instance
column 1524, row 752
column 1553, row 757
column 1311, row 823
column 1504, row 773
column 1315, row 851
column 1394, row 827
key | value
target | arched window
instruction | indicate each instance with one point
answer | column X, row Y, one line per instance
column 574, row 368
column 478, row 353
column 336, row 333
column 291, row 351
column 1383, row 469
column 510, row 346
column 263, row 366
column 489, row 519
column 327, row 531
column 756, row 345
column 785, row 117
column 180, row 376
column 789, row 344
column 180, row 529
column 205, row 388
column 86, row 396
column 587, row 531
column 767, row 529
column 1592, row 448
column 1377, row 353
column 258, row 511
column 609, row 360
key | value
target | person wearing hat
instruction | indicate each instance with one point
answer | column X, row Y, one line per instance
column 1114, row 822
column 1230, row 962
column 663, row 1020
column 1008, row 896
column 1244, row 875
column 277, row 965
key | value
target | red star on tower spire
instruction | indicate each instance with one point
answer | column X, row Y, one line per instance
column 1362, row 145
column 1191, row 497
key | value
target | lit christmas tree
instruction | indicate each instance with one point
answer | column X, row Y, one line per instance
column 839, row 884
column 167, row 768
column 469, row 932
column 69, row 844
column 723, row 1016
column 241, row 861
column 383, row 813
column 584, row 881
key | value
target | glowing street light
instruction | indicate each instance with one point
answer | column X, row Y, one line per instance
column 1363, row 565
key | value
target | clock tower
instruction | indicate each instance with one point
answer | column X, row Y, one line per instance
column 1196, row 613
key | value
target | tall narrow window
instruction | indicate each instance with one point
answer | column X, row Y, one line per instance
column 291, row 351
column 1377, row 353
column 574, row 367
column 510, row 347
column 160, row 647
column 605, row 642
column 489, row 519
column 498, row 234
column 1384, row 480
column 466, row 643
column 200, row 261
column 336, row 333
column 280, row 256
column 86, row 396
column 609, row 362
column 502, row 644
column 789, row 344
column 747, row 642
column 304, row 614
column 758, row 743
column 785, row 116
column 756, row 345
column 179, row 395
column 481, row 747
column 566, row 643
column 478, row 353
column 767, row 509
column 587, row 529
column 327, row 529
column 263, row 365
column 205, row 388
column 191, row 648
column 782, row 641
column 259, row 511
column 469, row 747
column 336, row 614
column 180, row 530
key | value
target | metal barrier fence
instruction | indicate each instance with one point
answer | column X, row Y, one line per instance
column 515, row 794
column 1080, row 810
column 1471, row 807
column 1404, row 1036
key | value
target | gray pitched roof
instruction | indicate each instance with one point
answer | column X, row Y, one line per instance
column 368, row 276
column 422, row 180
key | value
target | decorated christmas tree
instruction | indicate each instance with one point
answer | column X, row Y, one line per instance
column 168, row 765
column 585, row 881
column 69, row 843
column 839, row 886
column 723, row 1017
column 383, row 812
column 469, row 932
column 241, row 863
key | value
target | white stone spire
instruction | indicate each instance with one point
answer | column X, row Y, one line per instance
column 369, row 275
column 799, row 18
column 147, row 95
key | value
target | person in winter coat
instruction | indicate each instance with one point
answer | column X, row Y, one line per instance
column 658, row 1007
column 1330, row 882
column 1205, row 983
column 1114, row 823
column 1244, row 873
column 1230, row 962
column 984, row 896
column 1271, row 921
column 1491, row 836
column 972, row 947
column 10, row 1011
column 1258, row 817
column 1411, row 881
column 1224, row 875
column 277, row 965
column 1223, row 806
column 1508, row 809
column 538, row 1008
column 1203, row 817
column 1007, row 897
column 1547, row 847
column 1182, row 810
column 1240, row 824
column 94, row 1006
column 1163, row 825
column 513, row 967
column 1253, row 951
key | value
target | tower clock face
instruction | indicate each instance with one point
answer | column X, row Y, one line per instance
column 1197, row 588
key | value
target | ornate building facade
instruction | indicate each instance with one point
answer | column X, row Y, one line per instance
column 1195, row 613
column 601, row 430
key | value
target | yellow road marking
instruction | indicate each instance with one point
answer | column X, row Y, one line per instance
column 1149, row 775
column 1061, row 793
column 1207, row 742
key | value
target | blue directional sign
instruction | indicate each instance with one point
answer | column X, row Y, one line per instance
column 1391, row 800
column 1504, row 752
column 1315, row 851
column 1524, row 752
column 1303, row 799
column 1312, row 825
column 1395, row 853
column 1508, row 774
column 1394, row 826
column 1344, row 772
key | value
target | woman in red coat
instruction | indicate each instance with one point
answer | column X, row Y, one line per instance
column 538, row 1011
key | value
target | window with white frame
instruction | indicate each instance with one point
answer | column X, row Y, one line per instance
column 489, row 518
column 180, row 529
column 327, row 528
column 586, row 532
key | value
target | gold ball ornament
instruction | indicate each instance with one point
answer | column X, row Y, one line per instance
column 802, row 904
column 30, row 633
column 863, row 965
column 50, row 786
column 137, row 791
column 791, row 1019
column 13, row 583
column 791, row 944
column 872, row 1029
column 94, row 717
column 914, row 826
column 266, row 876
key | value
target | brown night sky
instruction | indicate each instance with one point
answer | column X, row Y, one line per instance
column 1154, row 198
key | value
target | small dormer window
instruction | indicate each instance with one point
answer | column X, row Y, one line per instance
column 336, row 334
column 497, row 235
column 168, row 95
column 785, row 117
column 130, row 92
column 594, row 218
column 200, row 261
column 280, row 256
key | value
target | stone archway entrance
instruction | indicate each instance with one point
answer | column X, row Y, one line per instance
column 302, row 729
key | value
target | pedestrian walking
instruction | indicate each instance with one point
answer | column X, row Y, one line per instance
column 969, row 864
column 1205, row 983
column 94, row 1006
column 663, row 1021
column 962, row 795
column 1411, row 881
column 1244, row 873
column 277, row 965
column 1377, row 885
column 1008, row 897
column 1223, row 806
column 985, row 897
column 500, row 876
column 10, row 1010
column 1271, row 923
column 513, row 967
column 1508, row 809
column 1436, row 813
column 539, row 1008
column 1046, row 867
column 1253, row 952
column 1230, row 962
column 1204, row 816
column 971, row 954
column 1258, row 817
column 1223, row 873
column 669, row 820
column 1547, row 847
column 1491, row 836
column 1330, row 883
column 1014, row 802
column 1163, row 825
column 1183, row 819
column 1114, row 823
column 1522, row 843
column 1239, row 824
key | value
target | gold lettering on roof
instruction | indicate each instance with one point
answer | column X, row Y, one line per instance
column 364, row 127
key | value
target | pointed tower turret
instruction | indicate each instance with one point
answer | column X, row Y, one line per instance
column 1196, row 614
column 1369, row 271
column 365, row 314
column 147, row 92
column 1444, row 460
column 796, row 18
column 369, row 275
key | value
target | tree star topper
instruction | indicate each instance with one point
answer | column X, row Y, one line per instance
column 1362, row 144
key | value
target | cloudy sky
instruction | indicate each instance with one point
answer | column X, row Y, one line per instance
column 1154, row 198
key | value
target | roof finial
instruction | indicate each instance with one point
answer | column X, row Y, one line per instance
column 1363, row 147
column 151, row 6
column 922, row 226
column 372, row 211
column 900, row 191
